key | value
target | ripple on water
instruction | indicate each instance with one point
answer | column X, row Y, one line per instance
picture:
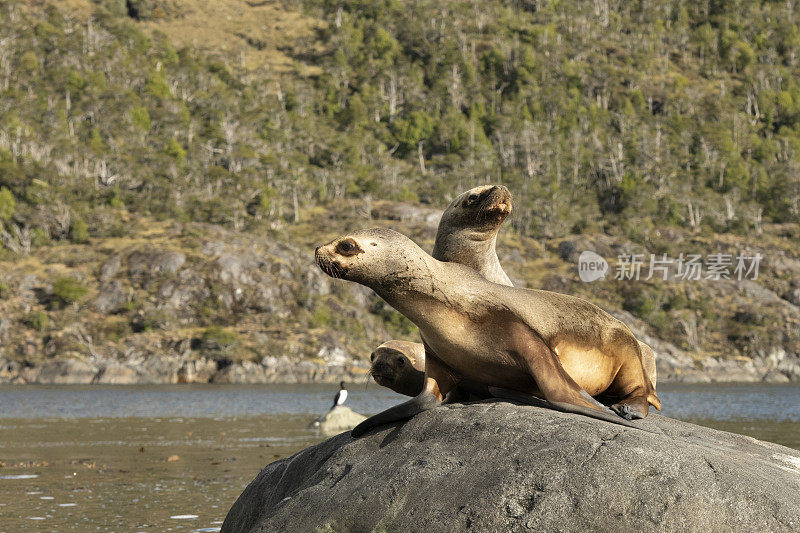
column 19, row 476
column 184, row 516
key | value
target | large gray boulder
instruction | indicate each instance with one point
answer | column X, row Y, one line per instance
column 495, row 466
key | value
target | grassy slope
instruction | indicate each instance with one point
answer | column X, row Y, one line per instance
column 274, row 38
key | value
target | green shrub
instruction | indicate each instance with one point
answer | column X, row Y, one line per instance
column 222, row 336
column 37, row 320
column 7, row 204
column 115, row 200
column 322, row 315
column 68, row 290
column 28, row 61
column 141, row 118
column 79, row 232
column 96, row 143
column 175, row 150
column 5, row 290
column 157, row 85
column 39, row 238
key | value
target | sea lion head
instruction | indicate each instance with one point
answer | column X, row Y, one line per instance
column 479, row 211
column 400, row 366
column 468, row 230
column 368, row 256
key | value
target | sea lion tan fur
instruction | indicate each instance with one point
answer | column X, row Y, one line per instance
column 499, row 336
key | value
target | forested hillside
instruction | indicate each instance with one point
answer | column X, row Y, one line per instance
column 221, row 143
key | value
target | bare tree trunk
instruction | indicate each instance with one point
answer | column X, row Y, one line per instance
column 392, row 97
column 295, row 205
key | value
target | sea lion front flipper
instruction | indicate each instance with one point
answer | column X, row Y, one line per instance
column 439, row 380
column 545, row 368
column 405, row 410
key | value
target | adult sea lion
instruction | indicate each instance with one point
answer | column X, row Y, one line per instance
column 499, row 336
column 467, row 234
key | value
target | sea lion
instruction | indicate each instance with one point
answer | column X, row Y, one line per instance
column 499, row 336
column 400, row 366
column 467, row 234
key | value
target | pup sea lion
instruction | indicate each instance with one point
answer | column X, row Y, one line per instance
column 499, row 336
column 400, row 366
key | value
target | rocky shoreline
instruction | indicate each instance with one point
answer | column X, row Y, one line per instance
column 170, row 369
column 674, row 366
column 202, row 304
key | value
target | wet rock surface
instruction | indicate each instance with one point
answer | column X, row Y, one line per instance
column 494, row 466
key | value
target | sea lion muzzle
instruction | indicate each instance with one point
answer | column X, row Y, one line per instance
column 497, row 203
column 331, row 268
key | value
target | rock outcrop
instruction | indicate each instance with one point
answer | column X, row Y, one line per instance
column 338, row 419
column 495, row 466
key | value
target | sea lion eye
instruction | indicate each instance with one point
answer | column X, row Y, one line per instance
column 400, row 361
column 347, row 247
column 372, row 356
column 471, row 199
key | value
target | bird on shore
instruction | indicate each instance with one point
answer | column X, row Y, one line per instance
column 341, row 396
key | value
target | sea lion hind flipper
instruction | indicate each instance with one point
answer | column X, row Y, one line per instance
column 520, row 397
column 563, row 407
column 403, row 411
column 634, row 406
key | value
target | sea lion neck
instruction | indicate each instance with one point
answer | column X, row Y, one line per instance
column 474, row 249
column 417, row 291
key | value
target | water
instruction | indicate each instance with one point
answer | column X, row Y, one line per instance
column 174, row 458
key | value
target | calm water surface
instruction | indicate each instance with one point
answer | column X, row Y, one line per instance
column 174, row 458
